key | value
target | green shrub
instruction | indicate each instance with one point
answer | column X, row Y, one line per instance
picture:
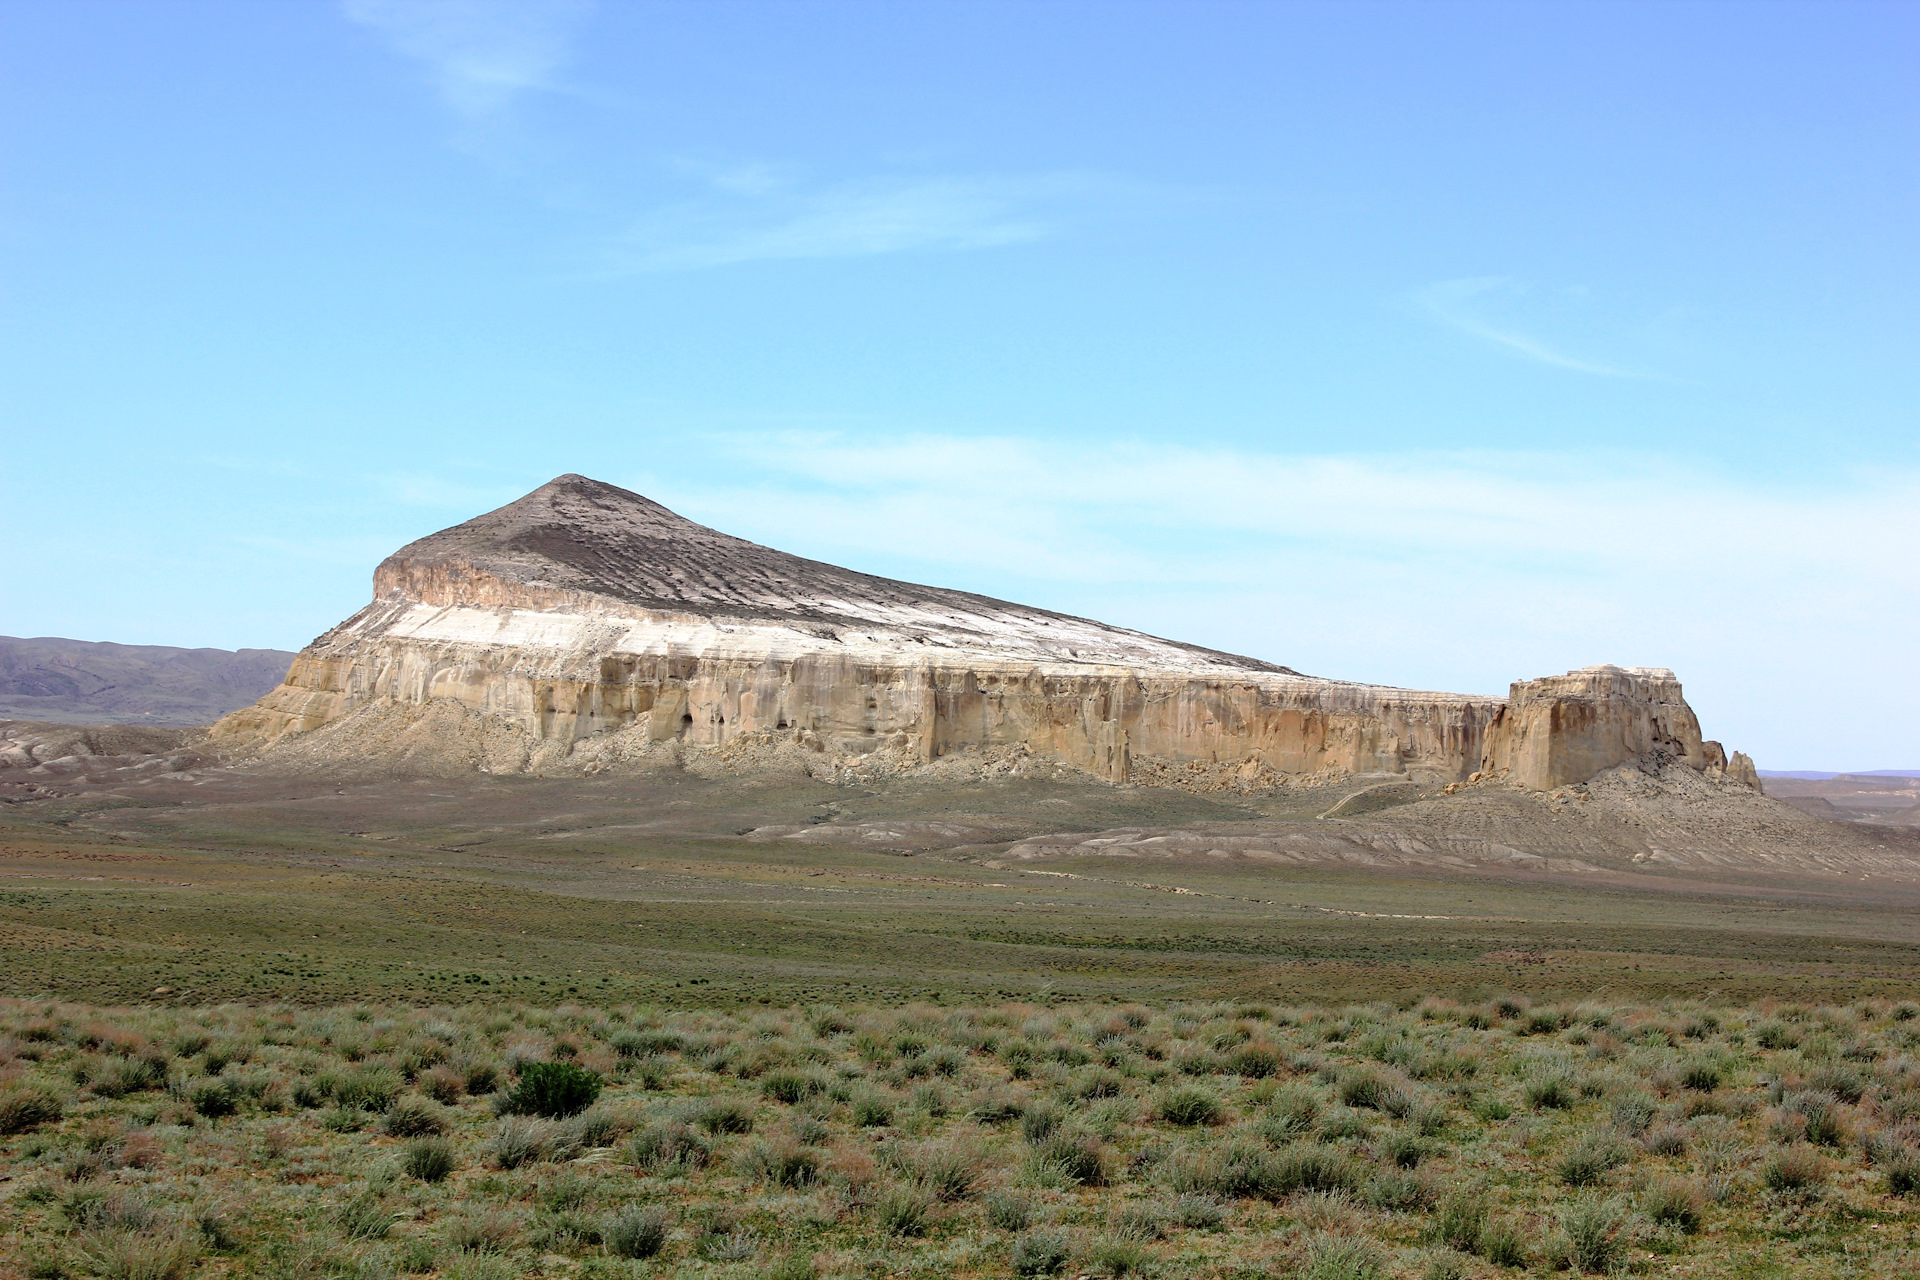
column 1775, row 1035
column 428, row 1159
column 638, row 1231
column 551, row 1089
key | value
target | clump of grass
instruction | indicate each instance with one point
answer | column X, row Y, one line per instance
column 638, row 1231
column 366, row 1216
column 428, row 1159
column 1008, row 1211
column 414, row 1117
column 1041, row 1252
column 1902, row 1172
column 25, row 1106
column 212, row 1097
column 1188, row 1106
column 519, row 1141
column 724, row 1115
column 1673, row 1202
column 121, row 1254
column 1332, row 1257
column 1590, row 1160
column 1591, row 1233
column 1794, row 1168
column 782, row 1163
column 903, row 1211
column 1459, row 1221
column 1701, row 1075
column 1075, row 1157
column 1550, row 1090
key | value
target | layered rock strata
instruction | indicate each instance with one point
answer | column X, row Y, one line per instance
column 583, row 611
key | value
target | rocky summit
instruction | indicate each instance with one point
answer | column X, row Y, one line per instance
column 585, row 626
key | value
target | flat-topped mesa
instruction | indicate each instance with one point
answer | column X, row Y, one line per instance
column 1565, row 729
column 585, row 612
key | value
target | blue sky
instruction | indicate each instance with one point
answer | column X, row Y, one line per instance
column 1436, row 344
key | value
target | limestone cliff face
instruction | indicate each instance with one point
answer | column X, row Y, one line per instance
column 1565, row 729
column 584, row 610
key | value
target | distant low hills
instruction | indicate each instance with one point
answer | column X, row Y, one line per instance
column 84, row 682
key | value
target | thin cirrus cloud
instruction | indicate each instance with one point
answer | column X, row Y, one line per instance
column 480, row 54
column 1462, row 305
column 759, row 214
column 1456, row 571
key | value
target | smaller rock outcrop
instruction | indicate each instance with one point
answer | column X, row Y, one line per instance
column 1564, row 729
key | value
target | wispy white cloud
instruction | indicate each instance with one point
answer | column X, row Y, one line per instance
column 1462, row 305
column 760, row 212
column 480, row 54
column 1459, row 571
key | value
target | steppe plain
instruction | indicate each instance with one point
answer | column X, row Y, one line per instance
column 1009, row 1021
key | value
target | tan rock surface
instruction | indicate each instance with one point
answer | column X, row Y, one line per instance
column 585, row 627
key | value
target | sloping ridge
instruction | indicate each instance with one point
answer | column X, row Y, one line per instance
column 578, row 537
